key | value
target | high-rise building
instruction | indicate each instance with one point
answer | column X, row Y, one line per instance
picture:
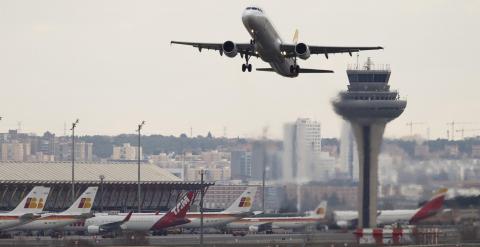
column 302, row 149
column 368, row 105
column 15, row 151
column 241, row 164
column 348, row 152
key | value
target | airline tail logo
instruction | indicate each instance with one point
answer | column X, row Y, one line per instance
column 245, row 202
column 320, row 211
column 185, row 201
column 32, row 202
column 85, row 203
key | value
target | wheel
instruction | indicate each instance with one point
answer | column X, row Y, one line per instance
column 249, row 67
column 292, row 69
column 244, row 67
column 297, row 69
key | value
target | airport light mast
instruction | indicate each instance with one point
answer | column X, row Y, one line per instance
column 138, row 155
column 368, row 105
column 74, row 124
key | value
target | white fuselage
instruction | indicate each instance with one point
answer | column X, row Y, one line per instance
column 277, row 222
column 8, row 220
column 267, row 41
column 49, row 221
column 137, row 222
column 386, row 217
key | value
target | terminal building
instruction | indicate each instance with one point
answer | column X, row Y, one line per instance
column 117, row 183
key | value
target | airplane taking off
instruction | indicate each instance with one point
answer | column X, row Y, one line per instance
column 261, row 223
column 27, row 210
column 79, row 210
column 137, row 222
column 267, row 44
column 347, row 219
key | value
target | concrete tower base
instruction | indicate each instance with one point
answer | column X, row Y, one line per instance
column 369, row 140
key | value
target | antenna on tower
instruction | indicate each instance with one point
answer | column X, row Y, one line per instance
column 64, row 128
column 19, row 126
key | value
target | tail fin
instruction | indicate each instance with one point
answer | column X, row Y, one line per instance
column 84, row 203
column 34, row 202
column 320, row 210
column 243, row 203
column 176, row 215
column 431, row 207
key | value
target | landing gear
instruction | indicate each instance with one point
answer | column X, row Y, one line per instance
column 294, row 69
column 246, row 66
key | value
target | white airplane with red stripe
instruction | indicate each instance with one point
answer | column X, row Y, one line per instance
column 136, row 222
column 240, row 208
column 259, row 223
column 79, row 210
column 27, row 210
column 347, row 219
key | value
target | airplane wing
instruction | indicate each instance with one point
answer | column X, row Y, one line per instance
column 302, row 70
column 116, row 225
column 289, row 49
column 242, row 48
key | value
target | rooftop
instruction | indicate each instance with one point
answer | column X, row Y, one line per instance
column 62, row 172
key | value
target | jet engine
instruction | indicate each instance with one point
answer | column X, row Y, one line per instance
column 229, row 48
column 302, row 51
column 93, row 229
column 253, row 228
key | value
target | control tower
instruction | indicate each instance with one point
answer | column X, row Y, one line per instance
column 368, row 105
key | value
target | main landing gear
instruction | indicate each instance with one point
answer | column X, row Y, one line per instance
column 247, row 66
column 294, row 69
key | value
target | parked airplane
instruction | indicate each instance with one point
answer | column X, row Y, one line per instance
column 260, row 223
column 79, row 210
column 267, row 44
column 240, row 208
column 27, row 210
column 348, row 219
column 143, row 222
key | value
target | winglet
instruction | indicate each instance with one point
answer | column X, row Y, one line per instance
column 127, row 218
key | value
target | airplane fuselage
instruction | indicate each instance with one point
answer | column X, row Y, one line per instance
column 267, row 42
column 51, row 221
column 277, row 222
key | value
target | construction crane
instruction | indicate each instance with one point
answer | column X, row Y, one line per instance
column 411, row 124
column 468, row 130
column 452, row 125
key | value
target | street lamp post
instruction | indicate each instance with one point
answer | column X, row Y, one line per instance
column 74, row 124
column 102, row 177
column 201, row 206
column 138, row 154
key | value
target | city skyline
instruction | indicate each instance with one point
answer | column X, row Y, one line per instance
column 116, row 61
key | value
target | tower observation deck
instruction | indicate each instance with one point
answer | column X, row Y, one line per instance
column 368, row 105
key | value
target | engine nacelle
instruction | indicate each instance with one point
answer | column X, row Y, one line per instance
column 253, row 228
column 93, row 229
column 229, row 48
column 302, row 51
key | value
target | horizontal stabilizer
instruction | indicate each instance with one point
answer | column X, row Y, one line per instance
column 315, row 71
column 301, row 70
column 266, row 69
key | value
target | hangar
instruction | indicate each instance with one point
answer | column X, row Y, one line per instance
column 117, row 184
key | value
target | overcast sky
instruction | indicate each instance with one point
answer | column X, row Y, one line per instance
column 110, row 64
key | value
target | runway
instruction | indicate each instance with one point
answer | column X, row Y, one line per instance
column 317, row 239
